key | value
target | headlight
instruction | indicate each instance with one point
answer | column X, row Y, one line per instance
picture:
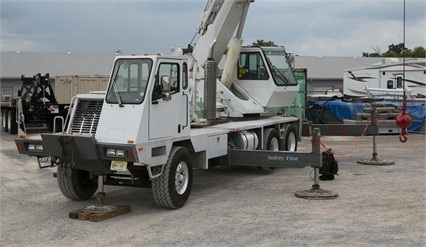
column 119, row 153
column 35, row 147
column 110, row 152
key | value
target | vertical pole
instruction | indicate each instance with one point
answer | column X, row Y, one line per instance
column 316, row 192
column 375, row 131
column 316, row 149
column 210, row 86
column 374, row 123
column 101, row 194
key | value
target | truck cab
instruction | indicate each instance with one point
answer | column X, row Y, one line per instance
column 142, row 89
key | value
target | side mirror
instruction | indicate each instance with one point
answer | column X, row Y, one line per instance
column 166, row 88
column 290, row 59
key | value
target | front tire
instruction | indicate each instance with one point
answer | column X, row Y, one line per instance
column 77, row 185
column 172, row 188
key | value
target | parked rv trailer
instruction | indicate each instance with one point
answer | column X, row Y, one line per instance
column 387, row 80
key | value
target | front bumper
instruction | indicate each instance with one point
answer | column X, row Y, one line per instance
column 81, row 151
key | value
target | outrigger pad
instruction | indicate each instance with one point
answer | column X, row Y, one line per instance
column 376, row 162
column 97, row 213
column 316, row 194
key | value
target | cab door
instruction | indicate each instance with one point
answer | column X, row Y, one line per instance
column 168, row 107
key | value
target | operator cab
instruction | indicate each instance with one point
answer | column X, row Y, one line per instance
column 266, row 75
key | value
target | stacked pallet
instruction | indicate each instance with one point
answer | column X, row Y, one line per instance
column 386, row 117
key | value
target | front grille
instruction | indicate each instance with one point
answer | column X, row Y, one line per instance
column 86, row 117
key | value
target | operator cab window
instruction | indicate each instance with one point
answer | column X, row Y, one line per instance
column 280, row 68
column 251, row 67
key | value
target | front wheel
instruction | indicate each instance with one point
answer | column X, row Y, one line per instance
column 172, row 188
column 77, row 185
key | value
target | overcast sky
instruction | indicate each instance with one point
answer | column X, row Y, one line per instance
column 304, row 27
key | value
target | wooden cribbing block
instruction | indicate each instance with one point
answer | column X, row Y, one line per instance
column 80, row 214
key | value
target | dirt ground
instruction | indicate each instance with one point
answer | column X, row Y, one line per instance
column 234, row 206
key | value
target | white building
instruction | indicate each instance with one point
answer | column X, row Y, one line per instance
column 323, row 73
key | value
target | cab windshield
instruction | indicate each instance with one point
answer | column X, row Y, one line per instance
column 279, row 66
column 129, row 81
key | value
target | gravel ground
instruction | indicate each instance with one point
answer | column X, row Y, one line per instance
column 377, row 205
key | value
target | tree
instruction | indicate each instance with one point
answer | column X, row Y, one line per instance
column 397, row 50
column 418, row 51
column 261, row 42
column 376, row 53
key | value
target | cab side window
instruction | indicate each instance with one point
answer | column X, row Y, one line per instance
column 167, row 72
column 251, row 67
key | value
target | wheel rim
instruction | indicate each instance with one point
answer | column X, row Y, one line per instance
column 274, row 144
column 291, row 142
column 181, row 178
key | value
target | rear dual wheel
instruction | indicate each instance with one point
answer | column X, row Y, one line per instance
column 272, row 142
column 290, row 141
column 4, row 121
column 12, row 125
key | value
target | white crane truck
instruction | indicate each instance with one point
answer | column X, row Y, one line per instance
column 165, row 115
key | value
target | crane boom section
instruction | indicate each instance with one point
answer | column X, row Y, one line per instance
column 219, row 21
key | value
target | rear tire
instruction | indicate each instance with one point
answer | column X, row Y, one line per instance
column 271, row 141
column 11, row 122
column 172, row 188
column 77, row 185
column 4, row 121
column 290, row 141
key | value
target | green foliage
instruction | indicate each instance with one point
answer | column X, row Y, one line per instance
column 373, row 54
column 418, row 51
column 397, row 50
column 261, row 42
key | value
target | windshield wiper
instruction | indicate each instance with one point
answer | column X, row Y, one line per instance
column 117, row 94
column 277, row 72
column 280, row 74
